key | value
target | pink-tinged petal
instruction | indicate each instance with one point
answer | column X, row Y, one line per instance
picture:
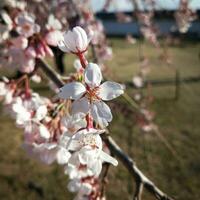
column 93, row 75
column 110, row 90
column 30, row 52
column 20, row 42
column 80, row 106
column 101, row 113
column 53, row 37
column 36, row 28
column 72, row 90
column 107, row 158
column 48, row 51
column 40, row 51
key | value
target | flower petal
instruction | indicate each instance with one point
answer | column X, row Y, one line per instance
column 93, row 75
column 80, row 106
column 107, row 158
column 69, row 41
column 44, row 133
column 83, row 37
column 101, row 113
column 72, row 90
column 62, row 46
column 41, row 112
column 63, row 156
column 110, row 90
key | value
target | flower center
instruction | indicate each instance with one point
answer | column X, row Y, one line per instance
column 89, row 140
column 92, row 94
column 26, row 27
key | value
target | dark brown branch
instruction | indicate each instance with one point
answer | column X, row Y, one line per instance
column 140, row 179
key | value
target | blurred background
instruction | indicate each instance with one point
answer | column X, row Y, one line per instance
column 170, row 156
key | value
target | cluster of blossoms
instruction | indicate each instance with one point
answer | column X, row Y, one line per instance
column 88, row 95
column 24, row 39
column 184, row 16
column 145, row 117
column 67, row 131
column 148, row 29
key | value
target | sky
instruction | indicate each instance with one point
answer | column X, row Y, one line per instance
column 125, row 5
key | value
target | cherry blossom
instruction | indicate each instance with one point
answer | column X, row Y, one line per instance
column 54, row 34
column 88, row 96
column 138, row 81
column 26, row 25
column 74, row 41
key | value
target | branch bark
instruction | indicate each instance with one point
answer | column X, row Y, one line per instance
column 140, row 179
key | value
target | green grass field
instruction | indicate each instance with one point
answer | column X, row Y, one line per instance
column 22, row 178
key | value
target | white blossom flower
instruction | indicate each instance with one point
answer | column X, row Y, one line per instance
column 53, row 23
column 54, row 34
column 83, row 188
column 75, row 41
column 49, row 152
column 26, row 25
column 29, row 113
column 88, row 156
column 89, row 96
column 138, row 81
column 71, row 124
column 6, row 26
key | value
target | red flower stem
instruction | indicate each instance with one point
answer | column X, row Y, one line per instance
column 89, row 121
column 82, row 59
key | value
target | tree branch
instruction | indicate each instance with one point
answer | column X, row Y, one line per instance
column 140, row 179
column 53, row 76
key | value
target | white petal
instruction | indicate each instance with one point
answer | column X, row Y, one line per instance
column 63, row 156
column 69, row 41
column 83, row 37
column 48, row 156
column 80, row 106
column 77, row 65
column 41, row 112
column 44, row 133
column 110, row 90
column 72, row 90
column 74, row 185
column 78, row 39
column 63, row 47
column 95, row 166
column 101, row 113
column 107, row 158
column 93, row 75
